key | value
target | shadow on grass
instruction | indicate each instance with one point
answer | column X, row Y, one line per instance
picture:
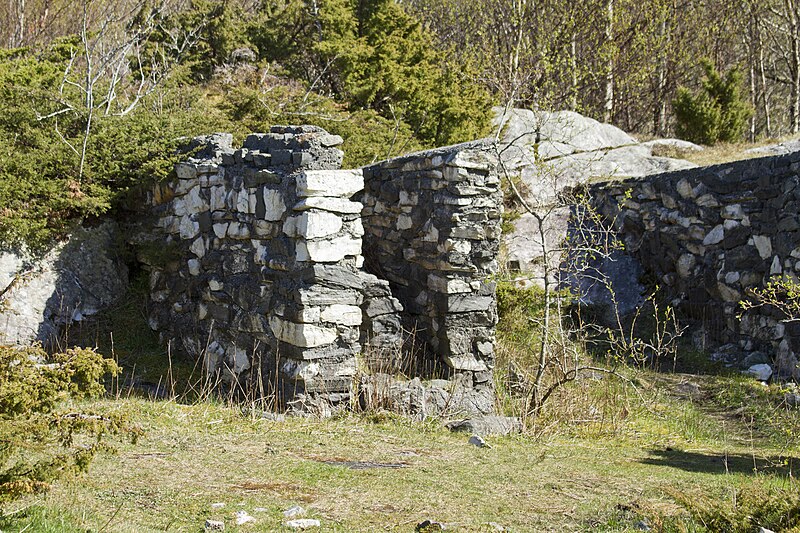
column 716, row 463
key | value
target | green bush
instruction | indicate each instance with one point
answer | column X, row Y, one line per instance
column 38, row 442
column 718, row 112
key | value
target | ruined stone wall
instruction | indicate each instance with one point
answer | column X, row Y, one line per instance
column 432, row 224
column 263, row 249
column 258, row 267
column 707, row 235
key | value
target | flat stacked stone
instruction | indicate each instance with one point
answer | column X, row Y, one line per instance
column 263, row 267
column 432, row 224
column 709, row 235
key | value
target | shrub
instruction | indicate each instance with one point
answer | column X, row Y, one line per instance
column 716, row 113
column 38, row 442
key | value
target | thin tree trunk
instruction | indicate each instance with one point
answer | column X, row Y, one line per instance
column 573, row 65
column 608, row 104
column 764, row 90
column 16, row 8
column 794, row 68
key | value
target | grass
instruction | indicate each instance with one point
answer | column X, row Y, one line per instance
column 717, row 154
column 626, row 462
column 605, row 455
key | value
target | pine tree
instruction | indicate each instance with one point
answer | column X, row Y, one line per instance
column 716, row 113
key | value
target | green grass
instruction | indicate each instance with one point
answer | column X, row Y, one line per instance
column 605, row 454
column 627, row 462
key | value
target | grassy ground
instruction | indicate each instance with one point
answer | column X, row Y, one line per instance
column 605, row 467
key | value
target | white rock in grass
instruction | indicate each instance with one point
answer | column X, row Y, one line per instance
column 218, row 505
column 475, row 440
column 243, row 517
column 761, row 372
column 303, row 523
column 294, row 512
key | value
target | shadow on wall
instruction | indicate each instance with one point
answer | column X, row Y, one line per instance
column 40, row 296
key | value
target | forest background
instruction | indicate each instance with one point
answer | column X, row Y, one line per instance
column 95, row 97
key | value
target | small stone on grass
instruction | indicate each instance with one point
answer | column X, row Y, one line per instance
column 294, row 512
column 478, row 441
column 243, row 517
column 215, row 525
column 303, row 523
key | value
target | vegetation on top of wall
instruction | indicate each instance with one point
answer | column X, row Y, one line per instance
column 88, row 118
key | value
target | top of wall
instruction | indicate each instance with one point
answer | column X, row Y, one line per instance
column 285, row 148
column 453, row 155
column 719, row 176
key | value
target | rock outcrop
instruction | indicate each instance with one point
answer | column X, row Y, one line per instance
column 40, row 296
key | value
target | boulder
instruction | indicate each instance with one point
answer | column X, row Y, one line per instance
column 487, row 425
column 76, row 278
column 552, row 152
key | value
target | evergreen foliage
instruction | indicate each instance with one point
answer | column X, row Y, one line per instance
column 717, row 113
column 38, row 442
column 71, row 149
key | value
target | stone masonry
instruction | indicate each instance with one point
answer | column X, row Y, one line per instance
column 259, row 269
column 706, row 236
column 432, row 229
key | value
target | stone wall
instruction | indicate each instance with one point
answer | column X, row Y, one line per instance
column 707, row 235
column 257, row 264
column 263, row 249
column 432, row 225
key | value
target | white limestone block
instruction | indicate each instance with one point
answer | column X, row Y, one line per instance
column 348, row 315
column 316, row 224
column 220, row 230
column 332, row 183
column 304, row 370
column 243, row 201
column 198, row 247
column 275, row 206
column 335, row 183
column 240, row 360
column 334, row 205
column 714, row 236
column 218, row 198
column 466, row 362
column 194, row 202
column 404, row 222
column 357, row 228
column 447, row 286
column 763, row 245
column 237, row 230
column 290, row 226
column 188, row 229
column 302, row 335
column 309, row 315
column 775, row 268
column 328, row 251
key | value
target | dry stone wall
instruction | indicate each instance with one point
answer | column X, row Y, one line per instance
column 432, row 230
column 707, row 235
column 258, row 269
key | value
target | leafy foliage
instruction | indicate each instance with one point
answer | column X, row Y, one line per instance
column 38, row 443
column 374, row 55
column 717, row 113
